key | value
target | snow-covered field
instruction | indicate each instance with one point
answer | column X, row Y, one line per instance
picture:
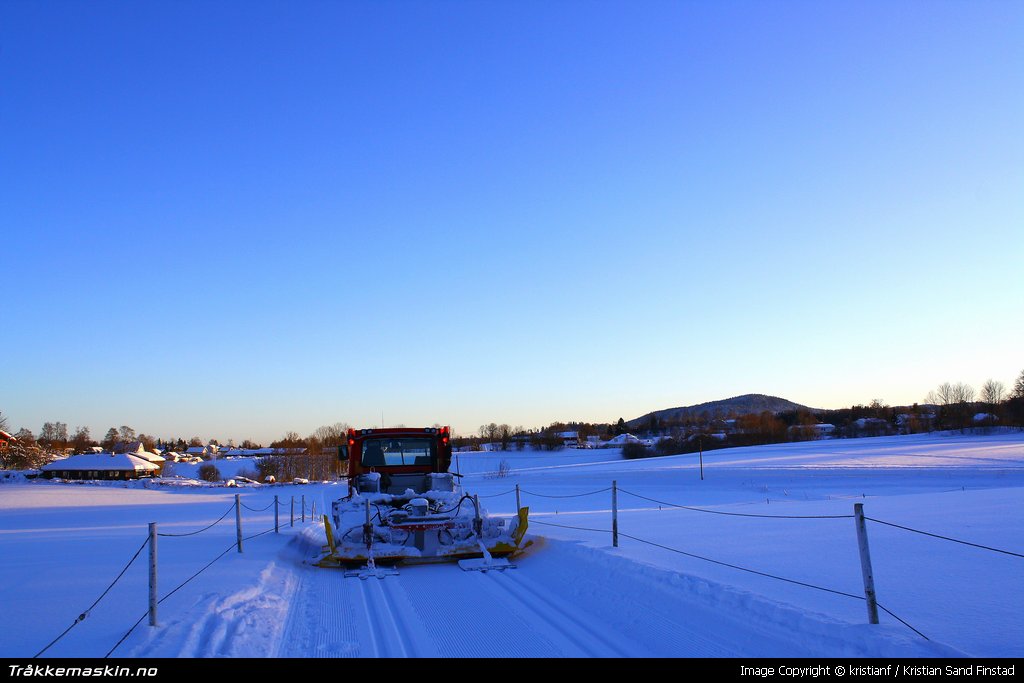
column 572, row 594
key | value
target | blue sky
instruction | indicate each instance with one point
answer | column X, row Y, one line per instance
column 234, row 219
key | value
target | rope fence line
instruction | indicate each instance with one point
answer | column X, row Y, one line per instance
column 498, row 495
column 182, row 585
column 889, row 612
column 574, row 495
column 770, row 576
column 945, row 538
column 746, row 514
column 237, row 544
column 83, row 615
column 564, row 526
column 193, row 533
column 731, row 514
column 740, row 568
column 263, row 509
column 868, row 597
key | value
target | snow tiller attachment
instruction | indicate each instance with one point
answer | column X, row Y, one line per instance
column 404, row 506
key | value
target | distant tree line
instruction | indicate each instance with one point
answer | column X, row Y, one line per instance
column 948, row 407
column 951, row 406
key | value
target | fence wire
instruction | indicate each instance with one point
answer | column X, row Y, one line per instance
column 744, row 569
column 263, row 509
column 573, row 495
column 231, row 547
column 565, row 526
column 731, row 514
column 498, row 495
column 83, row 615
column 945, row 538
column 193, row 533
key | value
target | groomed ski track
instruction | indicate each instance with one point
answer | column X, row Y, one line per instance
column 557, row 602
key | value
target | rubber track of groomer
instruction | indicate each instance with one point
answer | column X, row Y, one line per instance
column 557, row 602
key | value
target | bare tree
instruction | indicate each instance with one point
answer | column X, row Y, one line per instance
column 878, row 408
column 110, row 439
column 47, row 434
column 289, row 440
column 964, row 393
column 330, row 435
column 60, row 430
column 1018, row 386
column 3, row 422
column 82, row 439
column 993, row 392
column 127, row 434
column 504, row 436
column 944, row 395
column 954, row 401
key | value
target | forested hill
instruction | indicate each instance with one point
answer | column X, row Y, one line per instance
column 740, row 405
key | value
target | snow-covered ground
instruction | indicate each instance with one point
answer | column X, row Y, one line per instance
column 572, row 594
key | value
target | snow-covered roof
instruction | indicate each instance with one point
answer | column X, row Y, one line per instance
column 149, row 457
column 196, row 449
column 568, row 435
column 243, row 452
column 100, row 461
column 622, row 439
column 5, row 436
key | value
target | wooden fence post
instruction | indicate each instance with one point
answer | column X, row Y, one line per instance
column 152, row 574
column 615, row 514
column 865, row 563
column 238, row 521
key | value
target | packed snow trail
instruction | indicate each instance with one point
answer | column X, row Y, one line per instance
column 562, row 600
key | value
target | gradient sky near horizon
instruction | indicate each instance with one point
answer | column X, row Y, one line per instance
column 234, row 219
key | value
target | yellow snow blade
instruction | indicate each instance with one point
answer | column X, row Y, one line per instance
column 330, row 560
column 330, row 535
column 524, row 514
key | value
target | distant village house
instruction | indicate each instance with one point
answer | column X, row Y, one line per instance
column 118, row 466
